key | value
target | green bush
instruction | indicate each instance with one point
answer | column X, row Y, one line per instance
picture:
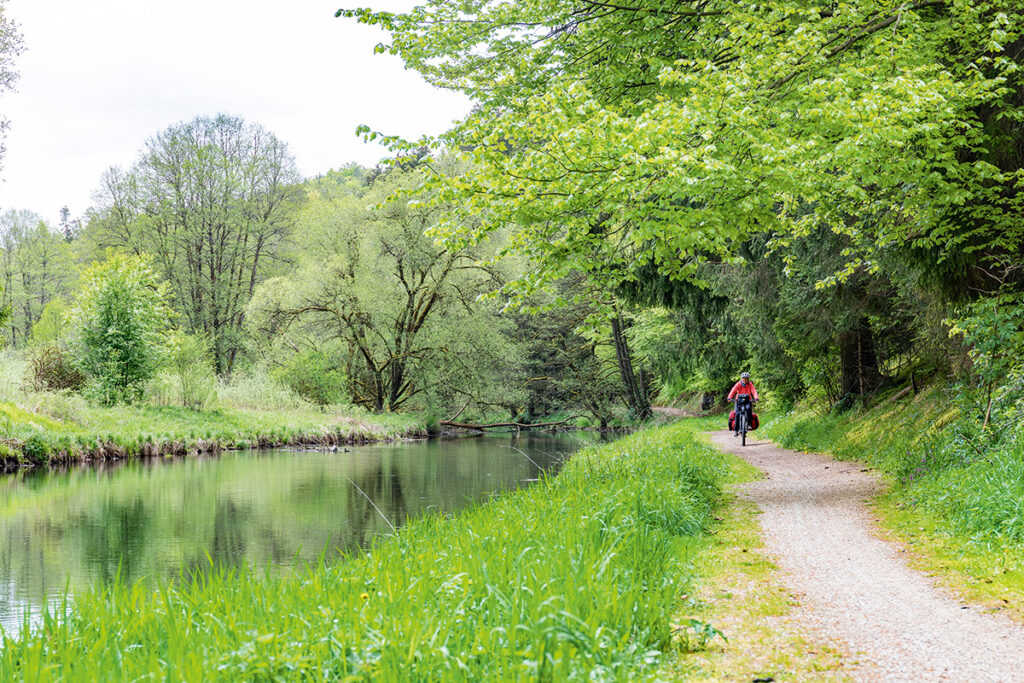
column 315, row 376
column 191, row 369
column 51, row 328
column 36, row 449
column 117, row 322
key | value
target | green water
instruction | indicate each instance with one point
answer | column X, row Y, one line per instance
column 63, row 531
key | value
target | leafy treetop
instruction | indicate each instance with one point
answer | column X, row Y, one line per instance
column 612, row 136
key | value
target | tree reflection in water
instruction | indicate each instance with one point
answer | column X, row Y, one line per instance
column 155, row 519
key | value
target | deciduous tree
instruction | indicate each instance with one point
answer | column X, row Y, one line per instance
column 119, row 319
column 36, row 267
column 400, row 304
column 212, row 200
column 10, row 47
column 610, row 138
column 676, row 130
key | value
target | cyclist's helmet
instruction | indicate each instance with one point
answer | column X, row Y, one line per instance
column 745, row 375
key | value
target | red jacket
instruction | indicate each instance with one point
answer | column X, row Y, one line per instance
column 738, row 388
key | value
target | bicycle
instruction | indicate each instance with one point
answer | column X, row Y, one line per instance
column 744, row 410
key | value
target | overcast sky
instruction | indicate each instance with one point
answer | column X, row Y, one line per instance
column 99, row 77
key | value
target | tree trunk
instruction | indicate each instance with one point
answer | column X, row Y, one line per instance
column 859, row 361
column 636, row 394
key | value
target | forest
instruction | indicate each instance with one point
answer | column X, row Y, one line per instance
column 562, row 251
column 216, row 263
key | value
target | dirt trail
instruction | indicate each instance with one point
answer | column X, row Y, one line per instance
column 856, row 590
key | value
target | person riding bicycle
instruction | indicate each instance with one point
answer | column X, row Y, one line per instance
column 743, row 388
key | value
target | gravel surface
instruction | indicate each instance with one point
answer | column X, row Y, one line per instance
column 855, row 589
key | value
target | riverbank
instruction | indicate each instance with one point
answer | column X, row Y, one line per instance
column 954, row 492
column 578, row 576
column 55, row 429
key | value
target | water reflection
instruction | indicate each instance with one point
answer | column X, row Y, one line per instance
column 66, row 530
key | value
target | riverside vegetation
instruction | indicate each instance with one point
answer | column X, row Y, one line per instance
column 578, row 576
column 251, row 412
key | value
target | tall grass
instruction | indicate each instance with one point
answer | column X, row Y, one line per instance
column 12, row 374
column 575, row 578
column 256, row 389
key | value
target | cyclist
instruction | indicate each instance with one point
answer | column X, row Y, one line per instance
column 743, row 387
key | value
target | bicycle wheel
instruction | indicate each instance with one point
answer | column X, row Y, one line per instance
column 743, row 429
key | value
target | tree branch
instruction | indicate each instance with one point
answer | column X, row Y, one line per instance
column 863, row 33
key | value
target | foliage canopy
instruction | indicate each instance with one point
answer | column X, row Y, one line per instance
column 610, row 136
column 212, row 200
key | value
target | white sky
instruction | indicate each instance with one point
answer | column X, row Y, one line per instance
column 99, row 77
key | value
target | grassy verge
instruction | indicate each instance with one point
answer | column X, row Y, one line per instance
column 252, row 410
column 984, row 573
column 956, row 500
column 743, row 597
column 739, row 591
column 52, row 428
column 575, row 578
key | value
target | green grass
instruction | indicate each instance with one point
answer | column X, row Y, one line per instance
column 575, row 578
column 12, row 373
column 251, row 411
column 56, row 427
column 742, row 594
column 256, row 389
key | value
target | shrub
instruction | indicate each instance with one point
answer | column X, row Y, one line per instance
column 51, row 328
column 36, row 450
column 191, row 368
column 315, row 376
column 50, row 369
column 117, row 322
column 162, row 390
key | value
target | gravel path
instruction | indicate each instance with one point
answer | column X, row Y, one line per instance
column 855, row 589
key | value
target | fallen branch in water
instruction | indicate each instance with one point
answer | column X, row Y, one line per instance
column 498, row 425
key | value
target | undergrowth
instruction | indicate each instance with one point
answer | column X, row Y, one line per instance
column 575, row 578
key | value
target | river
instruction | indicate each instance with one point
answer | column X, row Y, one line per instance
column 62, row 531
